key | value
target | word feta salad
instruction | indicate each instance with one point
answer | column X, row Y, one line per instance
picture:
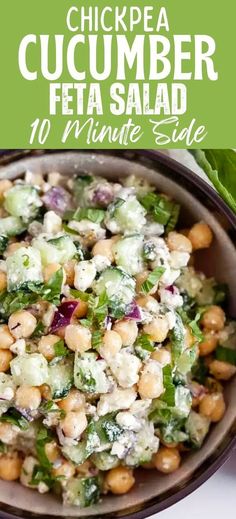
column 113, row 348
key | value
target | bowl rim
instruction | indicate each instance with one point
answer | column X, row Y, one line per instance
column 209, row 466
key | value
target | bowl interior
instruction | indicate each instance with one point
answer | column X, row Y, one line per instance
column 219, row 261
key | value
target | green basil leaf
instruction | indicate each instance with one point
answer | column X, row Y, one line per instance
column 162, row 210
column 220, row 167
column 96, row 339
column 152, row 279
column 60, row 349
column 169, row 394
column 3, row 243
column 144, row 342
column 86, row 213
column 14, row 417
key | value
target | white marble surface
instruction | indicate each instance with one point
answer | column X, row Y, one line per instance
column 216, row 498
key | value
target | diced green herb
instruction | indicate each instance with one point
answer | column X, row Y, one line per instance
column 169, row 394
column 14, row 417
column 68, row 229
column 144, row 342
column 162, row 210
column 177, row 338
column 14, row 301
column 44, row 436
column 96, row 339
column 60, row 349
column 226, row 355
column 42, row 475
column 152, row 279
column 78, row 294
column 195, row 328
column 39, row 330
column 3, row 243
column 86, row 213
column 200, row 371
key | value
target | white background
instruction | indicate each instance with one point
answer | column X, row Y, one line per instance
column 215, row 499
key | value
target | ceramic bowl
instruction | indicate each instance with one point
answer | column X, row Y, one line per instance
column 153, row 492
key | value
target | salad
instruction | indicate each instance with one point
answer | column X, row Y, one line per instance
column 113, row 348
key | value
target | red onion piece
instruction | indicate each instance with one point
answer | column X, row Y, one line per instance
column 57, row 199
column 134, row 312
column 103, row 195
column 63, row 315
column 170, row 288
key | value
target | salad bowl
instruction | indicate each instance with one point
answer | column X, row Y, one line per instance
column 153, row 492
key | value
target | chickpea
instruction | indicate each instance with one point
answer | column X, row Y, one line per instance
column 10, row 466
column 212, row 406
column 5, row 359
column 119, row 480
column 200, row 235
column 84, row 468
column 222, row 370
column 28, row 397
column 162, row 355
column 3, row 281
column 78, row 338
column 178, row 242
column 74, row 401
column 104, row 248
column 22, row 324
column 45, row 392
column 208, row 345
column 6, row 339
column 69, row 268
column 46, row 346
column 112, row 344
column 52, row 451
column 167, row 460
column 49, row 270
column 66, row 470
column 13, row 247
column 8, row 433
column 213, row 318
column 150, row 384
column 128, row 331
column 4, row 186
column 74, row 424
column 157, row 329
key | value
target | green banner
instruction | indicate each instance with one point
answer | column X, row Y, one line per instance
column 106, row 74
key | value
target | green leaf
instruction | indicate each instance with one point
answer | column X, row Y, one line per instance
column 195, row 328
column 14, row 417
column 60, row 349
column 200, row 371
column 68, row 229
column 152, row 279
column 220, row 167
column 144, row 342
column 14, row 301
column 96, row 339
column 44, row 436
column 177, row 338
column 162, row 210
column 42, row 475
column 169, row 395
column 51, row 290
column 78, row 294
column 86, row 213
column 39, row 330
column 3, row 243
column 226, row 355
